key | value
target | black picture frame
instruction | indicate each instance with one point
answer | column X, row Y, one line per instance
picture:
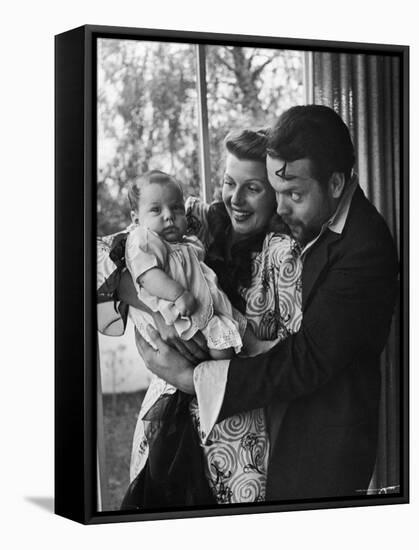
column 75, row 273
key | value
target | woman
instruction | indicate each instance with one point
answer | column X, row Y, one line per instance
column 258, row 267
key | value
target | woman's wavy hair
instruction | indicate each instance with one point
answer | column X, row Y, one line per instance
column 248, row 144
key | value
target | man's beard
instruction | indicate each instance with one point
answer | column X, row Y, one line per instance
column 302, row 234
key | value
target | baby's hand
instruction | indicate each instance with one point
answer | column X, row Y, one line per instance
column 186, row 304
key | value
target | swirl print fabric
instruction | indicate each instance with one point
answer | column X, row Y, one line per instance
column 237, row 450
column 236, row 457
column 273, row 300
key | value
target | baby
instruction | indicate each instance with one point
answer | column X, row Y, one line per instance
column 168, row 270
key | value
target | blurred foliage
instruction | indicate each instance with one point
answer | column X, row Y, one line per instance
column 147, row 111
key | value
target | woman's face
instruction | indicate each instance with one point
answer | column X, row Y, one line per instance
column 248, row 196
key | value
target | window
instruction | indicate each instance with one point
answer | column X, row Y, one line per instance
column 168, row 106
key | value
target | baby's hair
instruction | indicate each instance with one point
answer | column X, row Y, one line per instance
column 138, row 183
column 248, row 144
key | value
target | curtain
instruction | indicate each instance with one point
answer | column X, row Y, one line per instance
column 365, row 91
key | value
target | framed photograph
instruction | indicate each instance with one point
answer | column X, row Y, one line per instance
column 231, row 274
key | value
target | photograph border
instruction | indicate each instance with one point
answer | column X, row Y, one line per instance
column 76, row 461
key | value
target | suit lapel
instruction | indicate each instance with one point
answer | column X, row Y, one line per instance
column 315, row 262
column 318, row 256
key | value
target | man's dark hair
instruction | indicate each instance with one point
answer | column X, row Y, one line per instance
column 315, row 132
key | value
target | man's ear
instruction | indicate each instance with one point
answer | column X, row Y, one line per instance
column 134, row 216
column 336, row 184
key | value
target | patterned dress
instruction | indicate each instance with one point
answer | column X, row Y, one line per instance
column 236, row 450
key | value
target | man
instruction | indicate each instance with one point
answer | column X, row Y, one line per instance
column 327, row 373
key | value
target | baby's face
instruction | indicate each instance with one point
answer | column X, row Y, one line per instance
column 162, row 209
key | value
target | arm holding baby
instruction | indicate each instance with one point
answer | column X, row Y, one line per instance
column 159, row 284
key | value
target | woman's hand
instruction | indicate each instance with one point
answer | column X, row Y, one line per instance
column 194, row 350
column 126, row 291
column 253, row 346
column 166, row 362
column 186, row 304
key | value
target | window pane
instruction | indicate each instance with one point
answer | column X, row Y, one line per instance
column 147, row 119
column 147, row 114
column 248, row 88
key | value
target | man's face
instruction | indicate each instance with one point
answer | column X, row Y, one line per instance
column 303, row 204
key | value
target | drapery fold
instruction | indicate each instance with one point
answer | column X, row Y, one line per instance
column 365, row 91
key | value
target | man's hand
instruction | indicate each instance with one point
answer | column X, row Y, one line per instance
column 194, row 350
column 166, row 362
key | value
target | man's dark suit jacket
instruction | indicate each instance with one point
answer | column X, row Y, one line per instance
column 329, row 371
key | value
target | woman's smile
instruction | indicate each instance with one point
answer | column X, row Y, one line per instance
column 240, row 215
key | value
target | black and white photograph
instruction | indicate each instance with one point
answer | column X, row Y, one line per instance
column 250, row 274
column 209, row 272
